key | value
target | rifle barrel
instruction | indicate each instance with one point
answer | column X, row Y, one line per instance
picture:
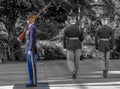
column 44, row 7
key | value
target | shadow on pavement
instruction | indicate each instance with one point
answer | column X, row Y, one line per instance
column 42, row 85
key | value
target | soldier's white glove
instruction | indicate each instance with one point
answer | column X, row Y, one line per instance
column 96, row 50
column 64, row 52
column 19, row 39
column 64, row 49
column 29, row 52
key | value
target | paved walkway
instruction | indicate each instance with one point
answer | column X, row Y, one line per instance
column 54, row 74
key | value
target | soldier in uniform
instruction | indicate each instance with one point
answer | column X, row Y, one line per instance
column 31, row 51
column 104, row 43
column 30, row 35
column 73, row 36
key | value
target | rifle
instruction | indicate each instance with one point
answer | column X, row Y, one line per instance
column 32, row 19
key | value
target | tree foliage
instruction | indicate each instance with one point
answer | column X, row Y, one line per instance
column 52, row 21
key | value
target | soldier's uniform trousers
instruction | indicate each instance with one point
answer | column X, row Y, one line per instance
column 73, row 58
column 32, row 62
column 104, row 52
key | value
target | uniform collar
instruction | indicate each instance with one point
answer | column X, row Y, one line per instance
column 31, row 24
column 72, row 23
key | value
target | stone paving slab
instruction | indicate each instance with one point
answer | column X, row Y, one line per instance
column 56, row 73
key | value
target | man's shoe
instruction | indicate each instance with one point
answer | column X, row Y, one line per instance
column 105, row 73
column 30, row 85
column 74, row 76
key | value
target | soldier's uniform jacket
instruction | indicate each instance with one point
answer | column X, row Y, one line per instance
column 104, row 38
column 73, row 37
column 31, row 36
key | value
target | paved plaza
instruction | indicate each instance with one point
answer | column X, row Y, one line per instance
column 54, row 74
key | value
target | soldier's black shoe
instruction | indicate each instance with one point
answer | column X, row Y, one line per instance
column 30, row 85
column 74, row 76
column 105, row 73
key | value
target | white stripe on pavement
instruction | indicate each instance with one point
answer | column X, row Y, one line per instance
column 7, row 87
column 88, row 84
column 106, row 85
column 109, row 72
column 88, row 87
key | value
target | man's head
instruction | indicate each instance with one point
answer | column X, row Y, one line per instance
column 72, row 18
column 32, row 19
column 104, row 21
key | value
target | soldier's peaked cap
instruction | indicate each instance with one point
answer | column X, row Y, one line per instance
column 73, row 14
column 104, row 18
column 33, row 18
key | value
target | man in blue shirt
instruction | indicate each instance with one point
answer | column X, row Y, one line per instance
column 31, row 51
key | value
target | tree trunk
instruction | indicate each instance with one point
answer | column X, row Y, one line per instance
column 10, row 24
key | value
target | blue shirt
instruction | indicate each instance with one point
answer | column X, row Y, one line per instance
column 31, row 37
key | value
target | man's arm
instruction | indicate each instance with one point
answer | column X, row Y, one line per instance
column 112, row 40
column 64, row 39
column 81, row 36
column 31, row 39
column 96, row 39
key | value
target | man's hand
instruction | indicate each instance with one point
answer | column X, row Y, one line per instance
column 114, row 47
column 18, row 39
column 29, row 52
column 64, row 49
